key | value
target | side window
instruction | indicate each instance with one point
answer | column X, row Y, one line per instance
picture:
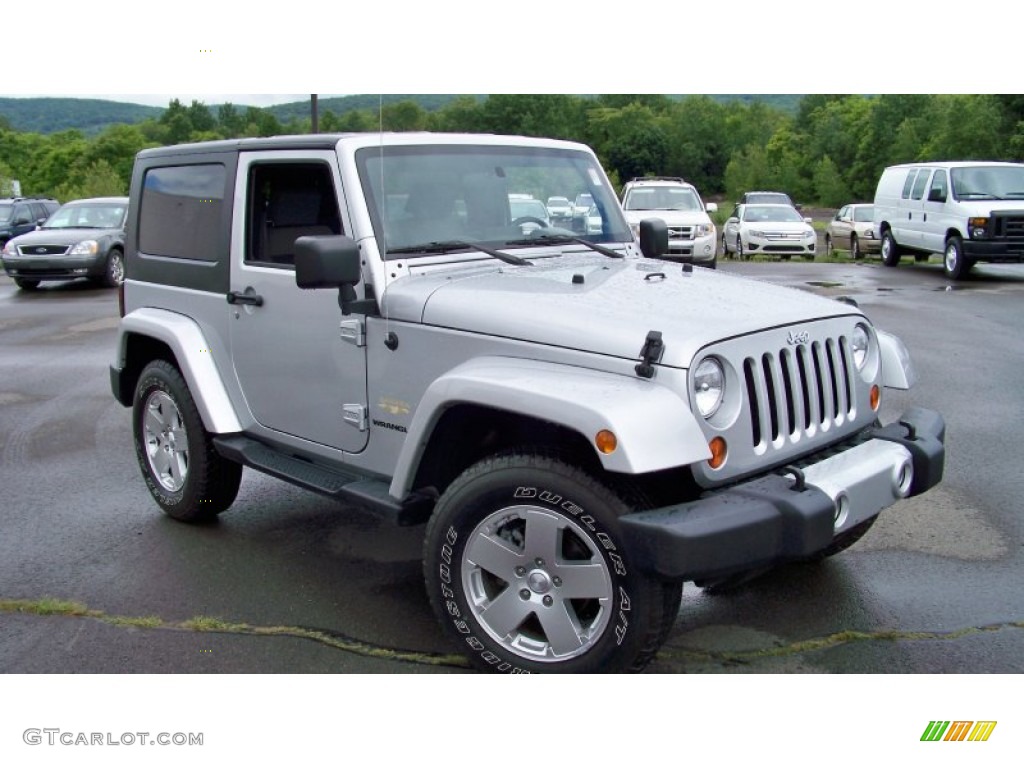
column 939, row 187
column 909, row 183
column 844, row 212
column 288, row 201
column 919, row 185
column 22, row 214
column 180, row 211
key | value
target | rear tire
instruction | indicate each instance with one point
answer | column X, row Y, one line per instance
column 891, row 252
column 526, row 570
column 186, row 476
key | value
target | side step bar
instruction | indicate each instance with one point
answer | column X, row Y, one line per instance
column 342, row 485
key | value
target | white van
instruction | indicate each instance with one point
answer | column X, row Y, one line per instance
column 966, row 211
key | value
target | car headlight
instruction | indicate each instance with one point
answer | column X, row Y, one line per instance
column 708, row 386
column 859, row 342
column 85, row 248
column 755, row 233
column 869, row 233
column 701, row 230
column 9, row 248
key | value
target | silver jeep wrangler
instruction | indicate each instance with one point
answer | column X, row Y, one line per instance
column 581, row 427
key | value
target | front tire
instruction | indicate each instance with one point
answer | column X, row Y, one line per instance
column 26, row 285
column 890, row 250
column 113, row 276
column 954, row 263
column 526, row 570
column 188, row 478
column 739, row 249
column 829, row 247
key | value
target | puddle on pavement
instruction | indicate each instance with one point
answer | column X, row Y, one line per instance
column 824, row 284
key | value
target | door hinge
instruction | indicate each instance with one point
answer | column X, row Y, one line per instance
column 352, row 332
column 355, row 414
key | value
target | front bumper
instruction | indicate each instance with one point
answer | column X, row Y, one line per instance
column 698, row 250
column 1009, row 250
column 54, row 267
column 772, row 246
column 776, row 518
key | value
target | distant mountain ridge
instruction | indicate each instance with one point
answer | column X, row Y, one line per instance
column 91, row 116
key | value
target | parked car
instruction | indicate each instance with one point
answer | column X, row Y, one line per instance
column 965, row 211
column 83, row 238
column 580, row 207
column 19, row 215
column 775, row 230
column 691, row 233
column 529, row 212
column 594, row 221
column 578, row 429
column 853, row 229
column 559, row 211
column 769, row 198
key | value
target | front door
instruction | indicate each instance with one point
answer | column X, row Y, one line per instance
column 298, row 375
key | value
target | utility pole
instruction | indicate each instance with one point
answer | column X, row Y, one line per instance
column 315, row 113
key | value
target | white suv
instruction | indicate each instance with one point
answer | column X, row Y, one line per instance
column 691, row 233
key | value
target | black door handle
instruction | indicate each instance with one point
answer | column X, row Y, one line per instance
column 248, row 297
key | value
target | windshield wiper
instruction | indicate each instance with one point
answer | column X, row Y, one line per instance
column 567, row 239
column 446, row 246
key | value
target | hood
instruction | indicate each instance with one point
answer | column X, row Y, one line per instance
column 604, row 306
column 671, row 218
column 68, row 236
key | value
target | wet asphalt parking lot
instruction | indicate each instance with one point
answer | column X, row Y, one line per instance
column 293, row 582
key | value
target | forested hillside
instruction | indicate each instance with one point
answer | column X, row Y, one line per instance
column 827, row 149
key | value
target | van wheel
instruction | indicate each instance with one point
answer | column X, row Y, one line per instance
column 890, row 250
column 183, row 471
column 855, row 248
column 954, row 264
column 527, row 571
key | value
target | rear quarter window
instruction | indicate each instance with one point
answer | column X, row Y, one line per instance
column 180, row 211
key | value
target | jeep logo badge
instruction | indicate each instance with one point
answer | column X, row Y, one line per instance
column 798, row 338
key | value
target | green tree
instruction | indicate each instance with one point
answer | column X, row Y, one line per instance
column 829, row 188
column 230, row 120
column 98, row 179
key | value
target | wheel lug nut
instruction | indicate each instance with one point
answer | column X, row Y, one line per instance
column 540, row 562
column 556, row 581
column 524, row 593
column 520, row 571
column 548, row 601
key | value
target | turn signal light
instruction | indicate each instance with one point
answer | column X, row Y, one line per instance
column 718, row 451
column 876, row 397
column 606, row 442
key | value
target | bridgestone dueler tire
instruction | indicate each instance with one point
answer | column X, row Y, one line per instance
column 208, row 481
column 526, row 571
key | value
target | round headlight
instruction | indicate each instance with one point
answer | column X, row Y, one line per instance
column 859, row 346
column 708, row 386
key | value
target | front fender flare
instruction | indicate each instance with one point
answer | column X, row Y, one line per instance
column 191, row 351
column 653, row 424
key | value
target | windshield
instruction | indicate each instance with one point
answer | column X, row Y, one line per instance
column 664, row 199
column 771, row 213
column 423, row 194
column 768, row 197
column 991, row 182
column 87, row 216
column 864, row 213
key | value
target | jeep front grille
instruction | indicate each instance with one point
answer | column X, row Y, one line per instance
column 799, row 391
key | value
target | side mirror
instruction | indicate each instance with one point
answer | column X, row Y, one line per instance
column 332, row 261
column 653, row 238
column 808, row 220
column 711, row 207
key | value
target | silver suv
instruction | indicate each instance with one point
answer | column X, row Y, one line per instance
column 691, row 233
column 581, row 428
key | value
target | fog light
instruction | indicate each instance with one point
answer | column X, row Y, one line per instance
column 876, row 397
column 606, row 441
column 903, row 478
column 978, row 233
column 718, row 452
